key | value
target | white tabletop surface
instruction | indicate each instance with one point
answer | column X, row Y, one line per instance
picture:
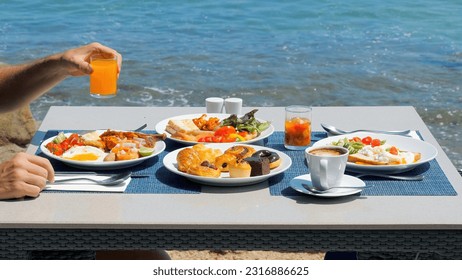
column 242, row 207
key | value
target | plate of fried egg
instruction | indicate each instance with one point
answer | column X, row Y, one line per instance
column 93, row 151
column 382, row 153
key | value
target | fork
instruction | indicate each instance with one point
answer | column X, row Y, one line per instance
column 114, row 179
column 335, row 131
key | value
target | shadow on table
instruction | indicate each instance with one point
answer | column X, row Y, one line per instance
column 307, row 199
column 235, row 189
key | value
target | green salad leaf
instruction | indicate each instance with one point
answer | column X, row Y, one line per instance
column 352, row 146
column 247, row 122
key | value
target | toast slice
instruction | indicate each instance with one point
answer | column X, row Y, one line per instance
column 181, row 126
column 93, row 139
column 392, row 160
column 363, row 159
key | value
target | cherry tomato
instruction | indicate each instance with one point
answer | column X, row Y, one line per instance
column 217, row 139
column 208, row 139
column 65, row 145
column 375, row 142
column 55, row 148
column 356, row 139
column 49, row 146
column 393, row 150
column 73, row 139
column 228, row 140
column 243, row 133
column 367, row 140
column 225, row 130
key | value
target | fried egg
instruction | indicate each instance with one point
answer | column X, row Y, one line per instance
column 381, row 154
column 84, row 153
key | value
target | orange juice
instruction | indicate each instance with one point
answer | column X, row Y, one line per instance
column 103, row 80
column 297, row 132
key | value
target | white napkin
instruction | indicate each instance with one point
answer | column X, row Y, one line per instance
column 85, row 185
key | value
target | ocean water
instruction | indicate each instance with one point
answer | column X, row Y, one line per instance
column 270, row 53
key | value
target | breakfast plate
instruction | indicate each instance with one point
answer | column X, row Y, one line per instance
column 347, row 181
column 170, row 162
column 161, row 128
column 428, row 152
column 99, row 164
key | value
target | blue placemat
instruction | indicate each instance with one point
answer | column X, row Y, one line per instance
column 435, row 182
column 160, row 180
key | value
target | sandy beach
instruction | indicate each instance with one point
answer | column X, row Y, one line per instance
column 243, row 255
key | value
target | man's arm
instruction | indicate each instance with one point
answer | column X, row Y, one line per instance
column 21, row 84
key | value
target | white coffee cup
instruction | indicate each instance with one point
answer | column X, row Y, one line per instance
column 327, row 165
column 233, row 105
column 214, row 104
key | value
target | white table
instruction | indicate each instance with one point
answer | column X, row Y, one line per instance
column 243, row 218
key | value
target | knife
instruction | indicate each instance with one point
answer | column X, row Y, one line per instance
column 89, row 173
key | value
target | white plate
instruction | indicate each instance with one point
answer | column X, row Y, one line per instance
column 347, row 181
column 160, row 127
column 104, row 165
column 170, row 163
column 427, row 150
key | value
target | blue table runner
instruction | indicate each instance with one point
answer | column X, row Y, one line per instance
column 435, row 182
column 162, row 181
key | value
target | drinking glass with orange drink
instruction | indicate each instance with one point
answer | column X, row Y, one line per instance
column 103, row 80
column 297, row 132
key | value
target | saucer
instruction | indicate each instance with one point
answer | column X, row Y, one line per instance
column 347, row 181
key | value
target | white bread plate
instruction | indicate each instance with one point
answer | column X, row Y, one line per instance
column 427, row 151
column 161, row 127
column 171, row 164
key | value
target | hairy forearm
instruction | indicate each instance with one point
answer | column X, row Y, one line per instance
column 20, row 84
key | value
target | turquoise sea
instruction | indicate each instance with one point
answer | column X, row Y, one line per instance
column 270, row 53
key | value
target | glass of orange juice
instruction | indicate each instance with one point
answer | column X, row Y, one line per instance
column 297, row 132
column 103, row 80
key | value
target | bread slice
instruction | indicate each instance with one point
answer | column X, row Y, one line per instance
column 183, row 126
column 93, row 139
column 363, row 159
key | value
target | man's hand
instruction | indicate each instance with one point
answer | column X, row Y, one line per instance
column 24, row 175
column 77, row 61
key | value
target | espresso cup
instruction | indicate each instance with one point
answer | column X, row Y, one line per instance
column 327, row 165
